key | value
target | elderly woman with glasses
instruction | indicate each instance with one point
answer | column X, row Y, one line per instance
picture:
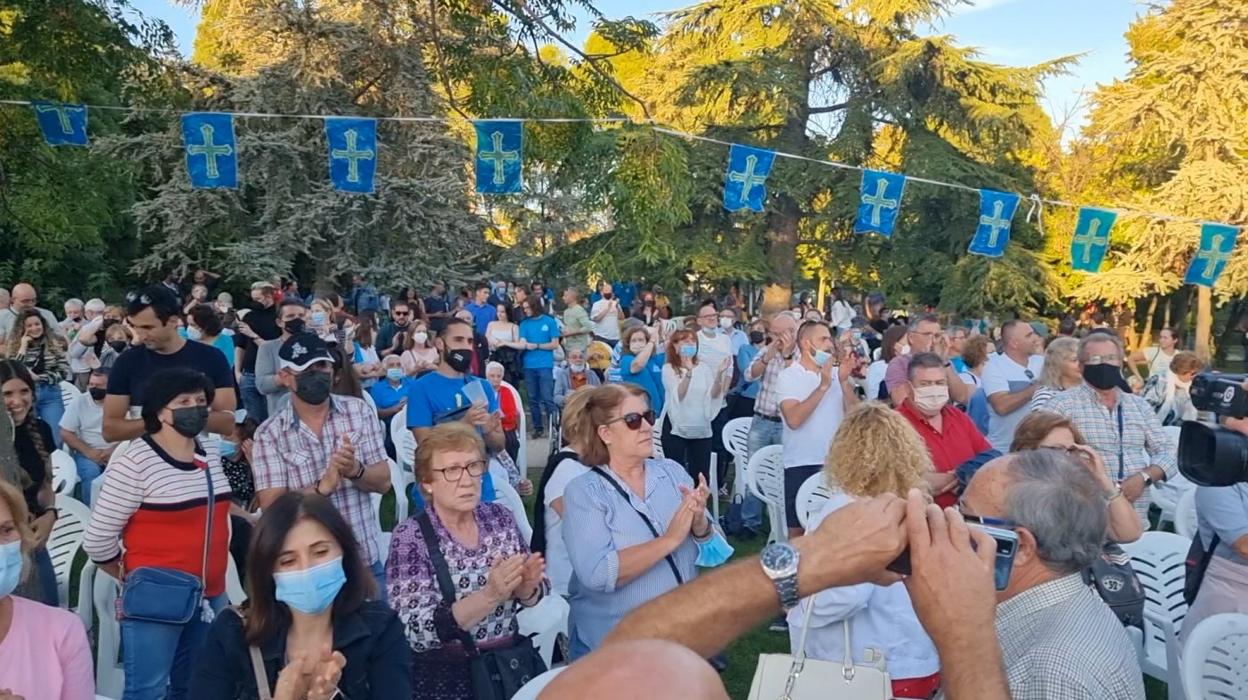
column 489, row 562
column 635, row 526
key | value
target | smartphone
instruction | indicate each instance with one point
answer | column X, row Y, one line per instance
column 1007, row 546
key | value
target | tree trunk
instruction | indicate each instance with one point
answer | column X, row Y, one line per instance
column 1227, row 336
column 1147, row 335
column 1204, row 321
column 1165, row 321
column 781, row 255
column 1178, row 314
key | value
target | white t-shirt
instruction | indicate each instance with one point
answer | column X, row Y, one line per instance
column 558, row 563
column 712, row 349
column 1003, row 375
column 808, row 444
column 691, row 416
column 1158, row 360
column 609, row 326
column 85, row 418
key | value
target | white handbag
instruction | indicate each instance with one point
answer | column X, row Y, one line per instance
column 788, row 677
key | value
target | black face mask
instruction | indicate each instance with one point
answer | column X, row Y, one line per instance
column 294, row 326
column 1102, row 376
column 459, row 360
column 118, row 345
column 607, row 295
column 756, row 337
column 97, row 394
column 313, row 386
column 190, row 420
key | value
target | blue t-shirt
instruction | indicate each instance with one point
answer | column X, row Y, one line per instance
column 538, row 330
column 649, row 378
column 387, row 396
column 959, row 365
column 482, row 315
column 223, row 342
column 434, row 395
column 132, row 369
column 745, row 357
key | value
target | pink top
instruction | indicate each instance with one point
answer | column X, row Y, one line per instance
column 45, row 654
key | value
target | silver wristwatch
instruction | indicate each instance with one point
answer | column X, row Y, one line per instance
column 779, row 560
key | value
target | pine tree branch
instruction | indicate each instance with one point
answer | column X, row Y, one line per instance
column 829, row 108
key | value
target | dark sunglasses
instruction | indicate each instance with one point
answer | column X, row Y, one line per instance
column 633, row 420
column 986, row 520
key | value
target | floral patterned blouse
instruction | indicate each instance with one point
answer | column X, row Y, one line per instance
column 412, row 585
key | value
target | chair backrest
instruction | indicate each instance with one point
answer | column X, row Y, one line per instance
column 656, row 435
column 811, row 496
column 234, row 590
column 64, row 472
column 1215, row 658
column 737, row 438
column 117, row 453
column 507, row 496
column 1158, row 559
column 522, row 428
column 766, row 474
column 399, row 479
column 69, row 392
column 1185, row 514
column 110, row 677
column 65, row 541
column 404, row 441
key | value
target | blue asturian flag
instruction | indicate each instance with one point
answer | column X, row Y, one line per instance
column 1091, row 240
column 879, row 202
column 500, row 156
column 352, row 153
column 996, row 214
column 745, row 183
column 211, row 152
column 1217, row 242
column 61, row 124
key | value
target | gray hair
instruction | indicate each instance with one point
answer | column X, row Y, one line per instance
column 1061, row 504
column 74, row 303
column 1101, row 337
column 913, row 326
column 495, row 365
column 95, row 305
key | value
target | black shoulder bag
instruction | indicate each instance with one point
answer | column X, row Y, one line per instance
column 1110, row 575
column 680, row 580
column 497, row 673
column 1197, row 561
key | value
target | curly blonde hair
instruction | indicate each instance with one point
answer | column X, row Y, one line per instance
column 876, row 451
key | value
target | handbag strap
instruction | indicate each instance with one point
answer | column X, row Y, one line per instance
column 257, row 662
column 443, row 572
column 211, row 504
column 680, row 580
column 799, row 658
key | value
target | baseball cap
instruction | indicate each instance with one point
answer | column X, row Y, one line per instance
column 301, row 351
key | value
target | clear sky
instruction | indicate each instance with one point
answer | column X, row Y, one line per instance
column 1012, row 32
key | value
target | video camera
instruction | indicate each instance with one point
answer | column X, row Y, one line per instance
column 1210, row 455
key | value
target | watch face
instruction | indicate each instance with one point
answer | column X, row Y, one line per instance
column 778, row 559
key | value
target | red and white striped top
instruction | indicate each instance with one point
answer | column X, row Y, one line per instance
column 156, row 508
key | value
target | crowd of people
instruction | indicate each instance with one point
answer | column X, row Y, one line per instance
column 210, row 437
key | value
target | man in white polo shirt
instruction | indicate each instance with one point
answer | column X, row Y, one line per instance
column 1010, row 381
column 814, row 394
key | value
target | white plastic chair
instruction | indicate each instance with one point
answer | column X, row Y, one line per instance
column 86, row 584
column 656, row 436
column 404, row 441
column 765, row 478
column 65, row 541
column 234, row 590
column 736, row 438
column 399, row 480
column 1185, row 515
column 383, row 546
column 508, row 496
column 1166, row 495
column 811, row 496
column 110, row 677
column 544, row 622
column 1158, row 559
column 69, row 392
column 1215, row 658
column 534, row 688
column 522, row 456
column 64, row 472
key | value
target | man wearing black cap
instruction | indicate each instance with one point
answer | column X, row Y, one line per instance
column 329, row 444
column 153, row 316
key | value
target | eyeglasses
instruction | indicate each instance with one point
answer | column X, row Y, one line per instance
column 708, row 315
column 400, row 313
column 455, row 472
column 633, row 420
column 1005, row 523
column 1103, row 360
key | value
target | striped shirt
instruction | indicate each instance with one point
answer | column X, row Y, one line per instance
column 288, row 455
column 1143, row 442
column 767, row 403
column 597, row 523
column 1059, row 641
column 155, row 506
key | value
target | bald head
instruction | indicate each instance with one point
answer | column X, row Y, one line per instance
column 24, row 297
column 643, row 668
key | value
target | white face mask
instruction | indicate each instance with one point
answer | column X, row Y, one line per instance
column 905, row 350
column 931, row 399
column 420, row 337
column 577, row 367
column 725, row 323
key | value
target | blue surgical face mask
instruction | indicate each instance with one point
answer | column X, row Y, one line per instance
column 10, row 566
column 228, row 449
column 822, row 357
column 312, row 590
column 714, row 551
column 395, row 374
column 319, row 318
column 194, row 333
column 688, row 350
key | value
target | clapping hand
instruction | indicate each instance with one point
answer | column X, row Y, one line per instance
column 847, row 363
column 505, row 577
column 310, row 676
column 478, row 415
column 343, row 458
column 695, row 500
column 6, row 694
column 942, row 346
column 532, row 572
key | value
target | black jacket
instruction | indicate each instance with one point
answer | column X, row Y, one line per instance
column 379, row 661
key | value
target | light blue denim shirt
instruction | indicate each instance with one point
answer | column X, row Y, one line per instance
column 597, row 524
column 1223, row 510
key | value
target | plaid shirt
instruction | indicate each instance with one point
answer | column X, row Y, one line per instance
column 1143, row 441
column 768, row 401
column 288, row 455
column 1059, row 641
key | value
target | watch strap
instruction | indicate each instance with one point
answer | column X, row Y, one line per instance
column 786, row 587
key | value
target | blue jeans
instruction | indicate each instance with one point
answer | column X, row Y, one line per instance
column 541, row 387
column 157, row 658
column 763, row 433
column 379, row 573
column 50, row 406
column 255, row 403
column 88, row 471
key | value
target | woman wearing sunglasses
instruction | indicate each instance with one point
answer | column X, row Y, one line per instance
column 1041, row 429
column 482, row 552
column 635, row 526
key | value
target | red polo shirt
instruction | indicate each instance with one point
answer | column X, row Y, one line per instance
column 957, row 441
